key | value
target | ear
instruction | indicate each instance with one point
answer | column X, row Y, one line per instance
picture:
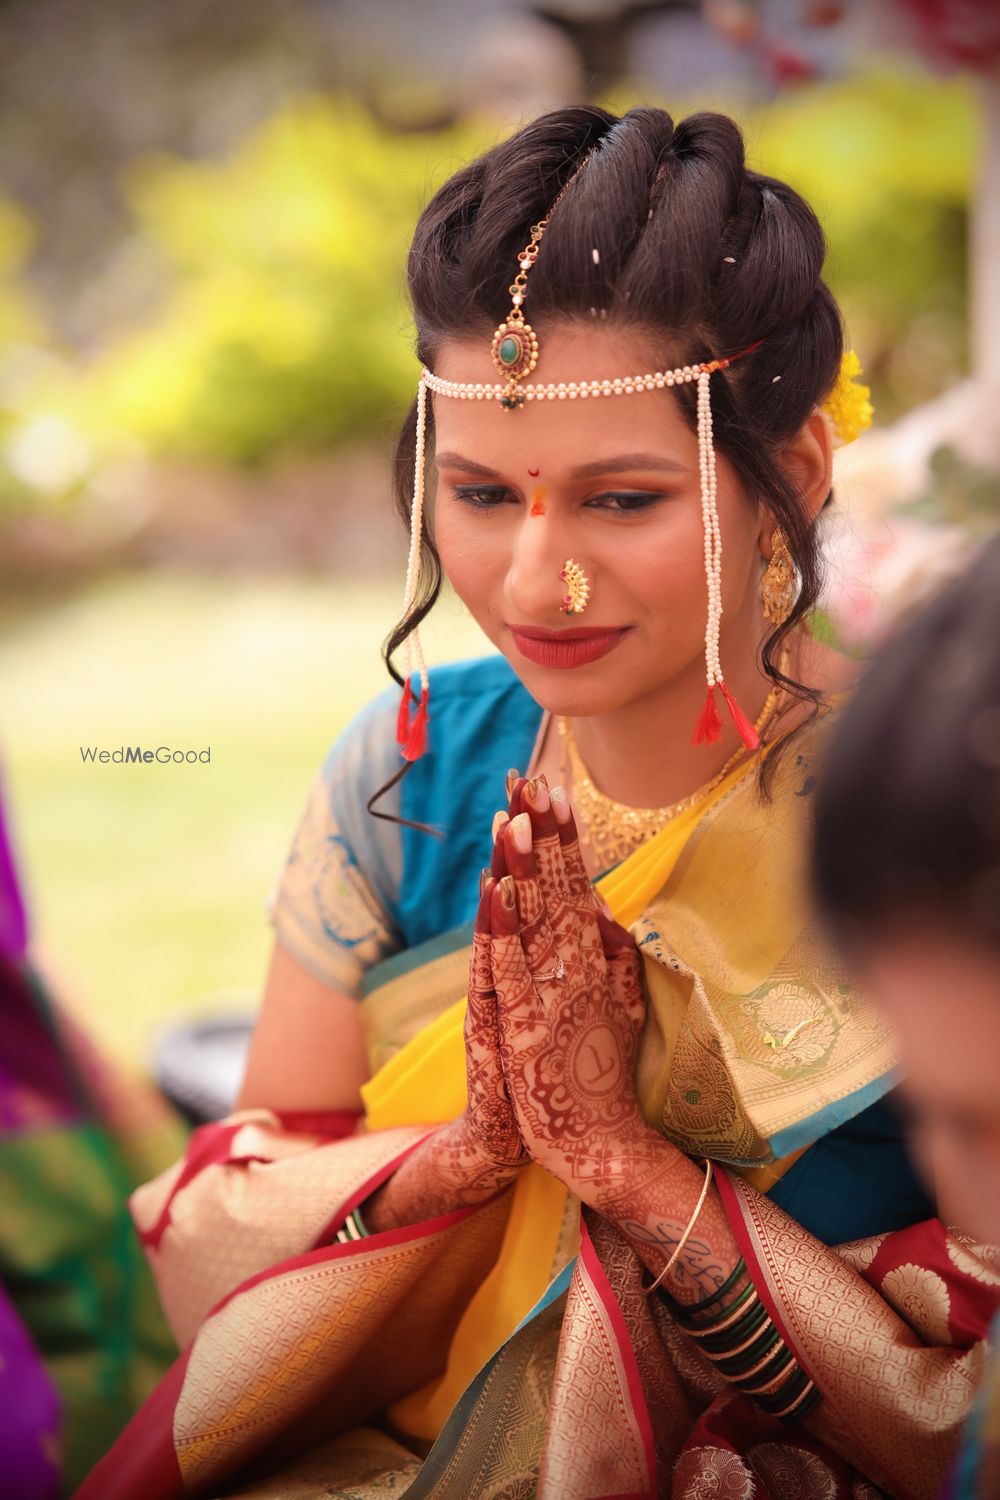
column 808, row 462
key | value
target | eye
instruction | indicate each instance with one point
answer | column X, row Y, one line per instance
column 482, row 497
column 625, row 502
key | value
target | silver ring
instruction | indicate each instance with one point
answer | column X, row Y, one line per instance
column 559, row 972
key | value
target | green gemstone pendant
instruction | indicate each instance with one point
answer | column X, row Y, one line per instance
column 514, row 349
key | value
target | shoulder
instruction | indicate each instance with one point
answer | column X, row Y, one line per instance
column 464, row 695
column 482, row 678
column 482, row 720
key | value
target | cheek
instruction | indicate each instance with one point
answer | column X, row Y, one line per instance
column 473, row 551
column 661, row 568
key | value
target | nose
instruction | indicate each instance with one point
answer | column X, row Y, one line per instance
column 534, row 589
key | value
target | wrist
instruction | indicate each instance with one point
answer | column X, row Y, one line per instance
column 501, row 1159
column 621, row 1169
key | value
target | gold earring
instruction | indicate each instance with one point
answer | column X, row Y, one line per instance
column 777, row 586
column 577, row 595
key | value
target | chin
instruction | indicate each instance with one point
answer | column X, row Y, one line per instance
column 578, row 692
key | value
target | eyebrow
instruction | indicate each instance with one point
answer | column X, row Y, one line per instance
column 657, row 462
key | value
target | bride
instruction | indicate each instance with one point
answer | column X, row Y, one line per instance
column 566, row 1162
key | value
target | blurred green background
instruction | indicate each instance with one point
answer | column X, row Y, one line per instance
column 205, row 350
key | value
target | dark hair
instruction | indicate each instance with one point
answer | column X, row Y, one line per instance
column 908, row 808
column 697, row 252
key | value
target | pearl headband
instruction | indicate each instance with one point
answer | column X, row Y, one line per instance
column 514, row 351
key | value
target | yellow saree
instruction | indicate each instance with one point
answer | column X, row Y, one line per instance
column 721, row 1070
column 509, row 1350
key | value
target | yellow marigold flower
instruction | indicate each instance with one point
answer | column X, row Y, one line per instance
column 848, row 405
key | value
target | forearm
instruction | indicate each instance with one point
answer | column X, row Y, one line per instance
column 652, row 1201
column 444, row 1173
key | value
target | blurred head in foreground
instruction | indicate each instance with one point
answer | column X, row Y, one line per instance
column 907, row 864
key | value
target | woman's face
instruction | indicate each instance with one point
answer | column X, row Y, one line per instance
column 611, row 482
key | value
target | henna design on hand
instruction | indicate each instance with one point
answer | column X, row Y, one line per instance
column 569, row 1048
column 470, row 1159
column 490, row 1115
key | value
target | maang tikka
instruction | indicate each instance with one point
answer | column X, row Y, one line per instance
column 515, row 352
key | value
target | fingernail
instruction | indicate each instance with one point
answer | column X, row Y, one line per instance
column 538, row 795
column 499, row 821
column 508, row 895
column 560, row 804
column 520, row 832
column 513, row 777
column 484, row 879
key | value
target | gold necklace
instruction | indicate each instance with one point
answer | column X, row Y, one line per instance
column 614, row 829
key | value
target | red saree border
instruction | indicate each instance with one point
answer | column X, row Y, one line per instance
column 738, row 1200
column 603, row 1288
column 737, row 1203
column 386, row 1239
column 355, row 1199
column 211, row 1145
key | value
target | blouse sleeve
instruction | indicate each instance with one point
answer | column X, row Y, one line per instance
column 333, row 904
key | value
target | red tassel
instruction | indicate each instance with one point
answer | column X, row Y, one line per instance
column 403, row 717
column 416, row 743
column 747, row 732
column 709, row 725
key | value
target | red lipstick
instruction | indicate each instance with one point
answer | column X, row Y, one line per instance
column 574, row 647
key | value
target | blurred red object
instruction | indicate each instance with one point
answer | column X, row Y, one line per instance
column 789, row 67
column 963, row 32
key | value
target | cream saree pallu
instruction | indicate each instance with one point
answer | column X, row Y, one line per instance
column 510, row 1350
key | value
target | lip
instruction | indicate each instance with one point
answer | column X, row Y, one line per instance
column 574, row 647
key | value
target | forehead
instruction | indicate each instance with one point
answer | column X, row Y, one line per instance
column 557, row 432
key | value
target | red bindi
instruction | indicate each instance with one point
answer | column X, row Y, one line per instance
column 533, row 473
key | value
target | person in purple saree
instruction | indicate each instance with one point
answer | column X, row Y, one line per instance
column 82, row 1339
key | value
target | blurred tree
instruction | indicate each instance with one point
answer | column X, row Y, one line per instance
column 886, row 159
column 24, row 356
column 285, row 324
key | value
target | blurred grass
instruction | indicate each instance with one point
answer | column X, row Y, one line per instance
column 146, row 884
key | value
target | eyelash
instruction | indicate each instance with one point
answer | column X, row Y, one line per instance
column 471, row 496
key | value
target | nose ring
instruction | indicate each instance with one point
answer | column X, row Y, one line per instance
column 577, row 595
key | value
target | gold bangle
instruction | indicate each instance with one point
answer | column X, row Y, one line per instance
column 687, row 1233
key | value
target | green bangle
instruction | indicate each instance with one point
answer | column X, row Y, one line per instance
column 785, row 1400
column 748, row 1323
column 801, row 1409
column 683, row 1310
column 736, row 1364
column 353, row 1229
column 726, row 1312
column 779, row 1371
